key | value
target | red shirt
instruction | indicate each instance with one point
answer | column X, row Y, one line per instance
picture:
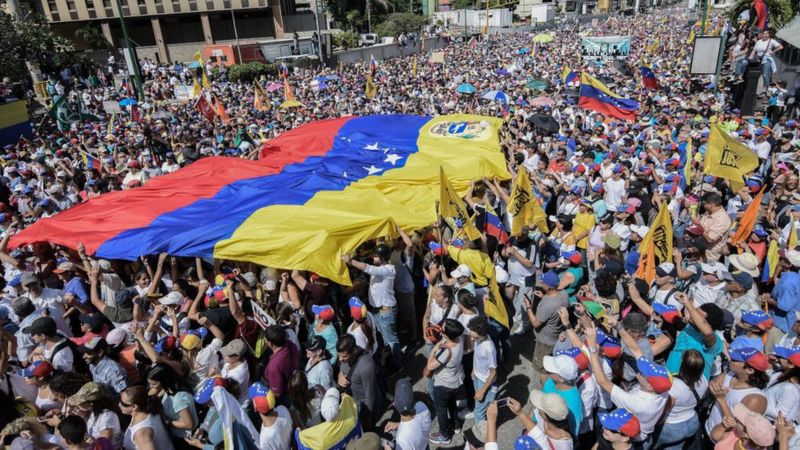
column 280, row 368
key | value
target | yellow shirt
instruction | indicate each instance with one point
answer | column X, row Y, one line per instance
column 583, row 223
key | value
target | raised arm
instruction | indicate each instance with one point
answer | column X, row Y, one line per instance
column 697, row 319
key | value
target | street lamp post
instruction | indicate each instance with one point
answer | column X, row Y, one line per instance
column 235, row 35
column 137, row 76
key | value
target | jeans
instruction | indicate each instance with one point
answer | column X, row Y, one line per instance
column 520, row 314
column 766, row 74
column 444, row 403
column 483, row 405
column 500, row 337
column 386, row 323
column 673, row 436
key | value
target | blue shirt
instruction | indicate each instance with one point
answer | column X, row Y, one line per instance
column 688, row 339
column 574, row 403
column 75, row 287
column 787, row 294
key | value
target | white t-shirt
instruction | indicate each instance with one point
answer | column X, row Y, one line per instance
column 548, row 443
column 63, row 360
column 590, row 394
column 241, row 374
column 413, row 435
column 685, row 401
column 277, row 436
column 485, row 359
column 381, row 285
column 361, row 339
column 516, row 271
column 107, row 420
column 783, row 397
column 646, row 406
column 615, row 190
column 207, row 358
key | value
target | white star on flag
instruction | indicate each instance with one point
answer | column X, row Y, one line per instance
column 371, row 146
column 372, row 170
column 392, row 158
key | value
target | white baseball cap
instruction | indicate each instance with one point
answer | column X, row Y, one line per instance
column 171, row 299
column 462, row 270
column 561, row 365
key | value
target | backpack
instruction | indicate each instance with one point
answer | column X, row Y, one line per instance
column 78, row 364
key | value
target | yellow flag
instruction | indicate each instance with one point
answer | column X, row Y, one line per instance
column 111, row 123
column 691, row 37
column 687, row 167
column 196, row 89
column 748, row 220
column 493, row 305
column 523, row 207
column 483, row 274
column 371, row 89
column 792, row 241
column 414, row 66
column 658, row 240
column 727, row 158
column 199, row 58
column 451, row 205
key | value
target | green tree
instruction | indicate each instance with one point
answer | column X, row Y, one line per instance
column 397, row 23
column 92, row 37
column 30, row 40
column 780, row 11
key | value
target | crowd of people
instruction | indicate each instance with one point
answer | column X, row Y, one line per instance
column 167, row 352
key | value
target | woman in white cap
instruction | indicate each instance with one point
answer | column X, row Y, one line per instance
column 551, row 428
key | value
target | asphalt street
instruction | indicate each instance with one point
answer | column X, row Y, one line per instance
column 515, row 382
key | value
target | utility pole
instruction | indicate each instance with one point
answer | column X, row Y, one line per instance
column 133, row 63
column 235, row 35
column 369, row 17
column 317, row 10
column 705, row 17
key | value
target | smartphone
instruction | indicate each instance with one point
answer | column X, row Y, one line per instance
column 502, row 402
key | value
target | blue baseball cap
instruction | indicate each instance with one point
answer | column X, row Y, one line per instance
column 203, row 394
column 550, row 279
column 526, row 443
column 621, row 421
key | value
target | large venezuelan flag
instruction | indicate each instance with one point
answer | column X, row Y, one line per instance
column 596, row 96
column 317, row 192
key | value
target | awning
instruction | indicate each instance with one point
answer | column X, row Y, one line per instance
column 791, row 32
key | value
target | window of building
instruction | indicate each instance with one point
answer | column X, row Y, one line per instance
column 71, row 6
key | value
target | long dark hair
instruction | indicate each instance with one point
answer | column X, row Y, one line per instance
column 692, row 365
column 145, row 403
column 787, row 375
column 300, row 396
column 170, row 381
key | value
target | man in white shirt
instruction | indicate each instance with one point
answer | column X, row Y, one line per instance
column 276, row 422
column 47, row 301
column 381, row 297
column 484, row 368
column 615, row 187
column 647, row 400
column 521, row 265
column 711, row 287
column 411, row 432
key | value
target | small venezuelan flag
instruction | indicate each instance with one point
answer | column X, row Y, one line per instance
column 649, row 79
column 91, row 162
column 568, row 76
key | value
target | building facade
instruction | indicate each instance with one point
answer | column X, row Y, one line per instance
column 173, row 30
